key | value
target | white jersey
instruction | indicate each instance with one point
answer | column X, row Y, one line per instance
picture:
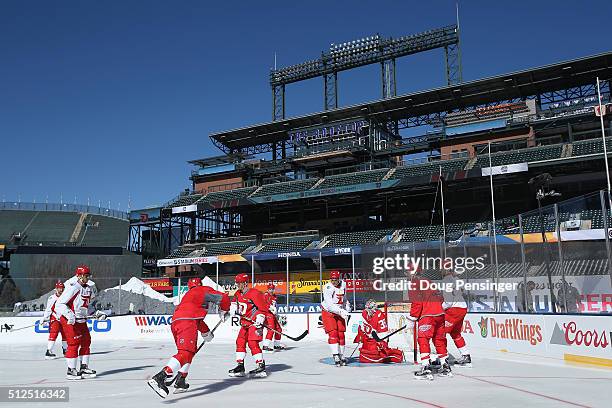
column 75, row 301
column 90, row 283
column 334, row 298
column 50, row 312
column 452, row 298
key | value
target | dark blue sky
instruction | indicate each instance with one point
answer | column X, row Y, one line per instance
column 110, row 99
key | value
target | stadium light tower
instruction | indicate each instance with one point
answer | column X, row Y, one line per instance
column 365, row 51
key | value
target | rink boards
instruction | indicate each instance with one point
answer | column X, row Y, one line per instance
column 574, row 338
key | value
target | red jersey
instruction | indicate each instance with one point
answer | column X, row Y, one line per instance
column 270, row 299
column 250, row 304
column 425, row 301
column 377, row 322
column 194, row 303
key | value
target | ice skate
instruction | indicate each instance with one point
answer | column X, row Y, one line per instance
column 180, row 385
column 87, row 372
column 237, row 371
column 424, row 373
column 445, row 371
column 260, row 371
column 158, row 384
column 73, row 374
column 49, row 355
column 464, row 361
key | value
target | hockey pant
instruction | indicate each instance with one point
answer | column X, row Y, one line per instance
column 79, row 341
column 372, row 351
column 335, row 327
column 185, row 334
column 251, row 336
column 431, row 328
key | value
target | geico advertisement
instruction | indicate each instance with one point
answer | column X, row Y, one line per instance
column 24, row 329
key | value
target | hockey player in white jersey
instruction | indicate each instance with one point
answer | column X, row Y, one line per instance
column 335, row 315
column 52, row 318
column 73, row 308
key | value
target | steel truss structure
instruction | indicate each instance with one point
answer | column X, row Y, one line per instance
column 366, row 51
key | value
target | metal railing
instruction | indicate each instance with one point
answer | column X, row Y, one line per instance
column 63, row 207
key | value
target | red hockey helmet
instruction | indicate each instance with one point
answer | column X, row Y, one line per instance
column 271, row 285
column 242, row 278
column 193, row 282
column 334, row 274
column 59, row 285
column 82, row 270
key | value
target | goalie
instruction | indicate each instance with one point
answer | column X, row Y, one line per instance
column 373, row 351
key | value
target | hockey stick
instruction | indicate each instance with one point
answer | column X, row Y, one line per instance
column 27, row 327
column 377, row 338
column 355, row 349
column 414, row 342
column 298, row 338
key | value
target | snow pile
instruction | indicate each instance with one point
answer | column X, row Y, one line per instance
column 136, row 286
column 134, row 296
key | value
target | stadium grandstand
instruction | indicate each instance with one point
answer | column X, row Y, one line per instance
column 409, row 172
column 43, row 242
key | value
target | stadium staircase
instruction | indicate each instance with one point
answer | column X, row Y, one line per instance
column 317, row 184
column 77, row 229
column 389, row 174
column 471, row 163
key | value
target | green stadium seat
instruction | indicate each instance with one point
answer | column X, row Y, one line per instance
column 429, row 168
column 349, row 239
column 285, row 187
column 370, row 176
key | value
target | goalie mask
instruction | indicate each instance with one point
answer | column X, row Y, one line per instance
column 371, row 306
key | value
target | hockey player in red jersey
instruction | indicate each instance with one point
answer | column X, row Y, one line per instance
column 426, row 308
column 455, row 309
column 52, row 318
column 272, row 322
column 72, row 307
column 372, row 351
column 187, row 321
column 335, row 313
column 252, row 308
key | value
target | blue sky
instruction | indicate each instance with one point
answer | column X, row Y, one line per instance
column 108, row 100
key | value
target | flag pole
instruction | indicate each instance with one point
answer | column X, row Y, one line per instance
column 443, row 211
column 494, row 228
column 603, row 138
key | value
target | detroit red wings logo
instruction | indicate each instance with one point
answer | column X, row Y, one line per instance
column 424, row 327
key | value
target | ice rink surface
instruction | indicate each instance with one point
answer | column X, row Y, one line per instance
column 300, row 377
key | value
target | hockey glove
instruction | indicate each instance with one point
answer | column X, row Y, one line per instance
column 208, row 336
column 344, row 314
column 223, row 315
column 348, row 307
column 100, row 315
column 71, row 318
column 259, row 321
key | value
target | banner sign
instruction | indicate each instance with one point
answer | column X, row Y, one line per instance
column 185, row 209
column 505, row 169
column 187, row 261
column 159, row 284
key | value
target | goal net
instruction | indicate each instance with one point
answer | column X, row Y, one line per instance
column 397, row 317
